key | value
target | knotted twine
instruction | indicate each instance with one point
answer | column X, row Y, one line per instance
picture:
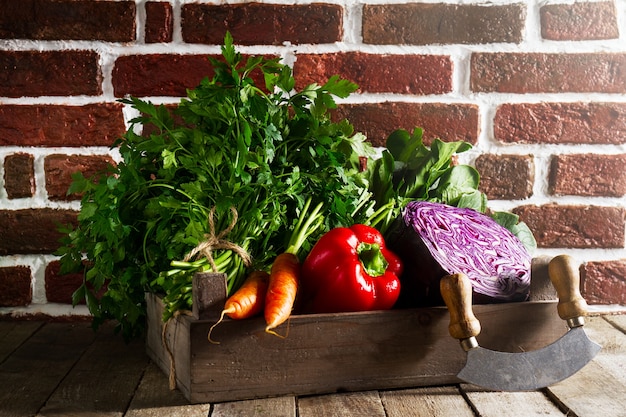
column 172, row 376
column 205, row 248
column 213, row 242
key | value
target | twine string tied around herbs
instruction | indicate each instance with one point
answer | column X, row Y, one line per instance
column 214, row 242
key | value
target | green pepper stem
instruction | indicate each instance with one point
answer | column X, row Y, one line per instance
column 372, row 259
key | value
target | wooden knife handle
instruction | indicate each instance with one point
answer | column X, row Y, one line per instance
column 565, row 277
column 456, row 290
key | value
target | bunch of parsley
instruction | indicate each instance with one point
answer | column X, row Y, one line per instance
column 262, row 150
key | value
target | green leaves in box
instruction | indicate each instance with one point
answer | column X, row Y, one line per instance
column 261, row 149
column 409, row 170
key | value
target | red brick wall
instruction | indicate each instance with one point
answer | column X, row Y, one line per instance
column 540, row 91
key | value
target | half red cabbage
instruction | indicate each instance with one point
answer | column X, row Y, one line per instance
column 464, row 240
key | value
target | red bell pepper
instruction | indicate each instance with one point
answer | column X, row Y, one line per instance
column 350, row 269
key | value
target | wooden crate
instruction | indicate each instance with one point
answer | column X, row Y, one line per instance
column 325, row 353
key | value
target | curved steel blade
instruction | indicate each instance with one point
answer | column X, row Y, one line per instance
column 504, row 371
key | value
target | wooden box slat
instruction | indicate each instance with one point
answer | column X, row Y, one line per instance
column 325, row 353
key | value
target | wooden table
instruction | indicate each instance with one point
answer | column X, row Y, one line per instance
column 65, row 369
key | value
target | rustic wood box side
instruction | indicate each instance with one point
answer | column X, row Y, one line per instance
column 354, row 351
column 174, row 362
column 326, row 353
column 154, row 345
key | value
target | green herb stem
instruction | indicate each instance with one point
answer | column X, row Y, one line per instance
column 304, row 228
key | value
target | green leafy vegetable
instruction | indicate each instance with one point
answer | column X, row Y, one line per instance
column 408, row 170
column 235, row 162
column 520, row 229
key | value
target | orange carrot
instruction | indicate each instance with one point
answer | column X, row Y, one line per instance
column 247, row 301
column 285, row 272
column 281, row 293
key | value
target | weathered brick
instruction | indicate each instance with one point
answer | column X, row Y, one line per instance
column 59, row 125
column 403, row 74
column 567, row 226
column 579, row 21
column 448, row 122
column 32, row 230
column 111, row 21
column 15, row 286
column 604, row 282
column 19, row 175
column 593, row 123
column 548, row 72
column 506, row 177
column 159, row 22
column 59, row 168
column 60, row 287
column 166, row 74
column 588, row 175
column 255, row 23
column 439, row 23
column 49, row 73
column 159, row 74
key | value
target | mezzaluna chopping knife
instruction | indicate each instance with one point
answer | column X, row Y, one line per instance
column 504, row 371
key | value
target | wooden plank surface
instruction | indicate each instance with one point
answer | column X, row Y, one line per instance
column 265, row 407
column 355, row 404
column 608, row 333
column 103, row 381
column 599, row 389
column 153, row 398
column 64, row 369
column 35, row 369
column 510, row 404
column 591, row 392
column 442, row 401
column 13, row 334
column 618, row 320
